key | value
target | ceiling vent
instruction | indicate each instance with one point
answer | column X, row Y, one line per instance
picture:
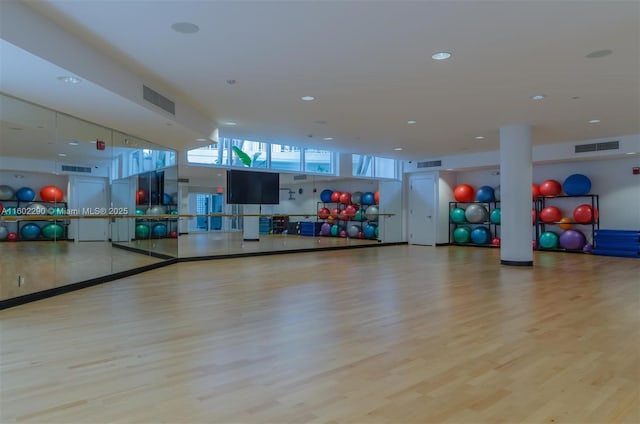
column 430, row 164
column 158, row 99
column 299, row 177
column 597, row 147
column 75, row 168
column 183, row 180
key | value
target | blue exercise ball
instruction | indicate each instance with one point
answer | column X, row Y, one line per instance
column 577, row 185
column 368, row 199
column 25, row 194
column 30, row 232
column 166, row 199
column 159, row 230
column 325, row 196
column 370, row 230
column 485, row 194
column 481, row 235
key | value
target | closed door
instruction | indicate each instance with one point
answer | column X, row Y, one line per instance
column 92, row 199
column 422, row 198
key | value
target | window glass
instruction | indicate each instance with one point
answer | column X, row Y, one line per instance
column 318, row 161
column 286, row 158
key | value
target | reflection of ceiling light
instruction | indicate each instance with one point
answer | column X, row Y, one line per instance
column 231, row 81
column 62, row 154
column 594, row 121
column 479, row 137
column 599, row 53
column 397, row 149
column 185, row 27
column 202, row 140
column 441, row 56
column 411, row 122
column 328, row 138
column 73, row 143
column 537, row 97
column 631, row 153
column 308, row 98
column 230, row 123
column 69, row 79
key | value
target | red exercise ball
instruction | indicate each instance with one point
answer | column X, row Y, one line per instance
column 585, row 214
column 550, row 214
column 324, row 213
column 173, row 234
column 495, row 241
column 51, row 194
column 344, row 215
column 345, row 198
column 334, row 213
column 464, row 193
column 550, row 188
column 376, row 197
column 335, row 196
column 12, row 236
column 1, row 208
column 350, row 211
column 535, row 191
column 533, row 216
column 141, row 196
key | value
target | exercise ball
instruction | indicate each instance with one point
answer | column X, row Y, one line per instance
column 496, row 193
column 356, row 197
column 550, row 214
column 141, row 196
column 565, row 223
column 51, row 194
column 174, row 198
column 174, row 212
column 577, row 185
column 376, row 197
column 457, row 215
column 325, row 196
column 139, row 212
column 335, row 230
column 368, row 199
column 354, row 230
column 36, row 209
column 343, row 233
column 30, row 232
column 331, row 219
column 173, row 234
column 344, row 215
column 4, row 232
column 548, row 240
column 57, row 211
column 495, row 216
column 360, row 215
column 166, row 199
column 334, row 213
column 53, row 231
column 156, row 210
column 159, row 230
column 588, row 248
column 476, row 214
column 25, row 194
column 572, row 240
column 351, row 211
column 533, row 216
column 462, row 235
column 535, row 191
column 464, row 193
column 142, row 231
column 323, row 213
column 372, row 213
column 335, row 196
column 485, row 194
column 1, row 208
column 6, row 192
column 480, row 235
column 495, row 241
column 325, row 229
column 585, row 214
column 345, row 198
column 550, row 188
column 12, row 236
column 370, row 230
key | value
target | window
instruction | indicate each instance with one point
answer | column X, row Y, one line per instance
column 362, row 165
column 207, row 155
column 249, row 153
column 318, row 161
column 385, row 168
column 373, row 166
column 285, row 158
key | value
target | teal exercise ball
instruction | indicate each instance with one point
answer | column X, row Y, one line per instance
column 457, row 215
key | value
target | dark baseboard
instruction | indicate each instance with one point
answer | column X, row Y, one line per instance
column 142, row 251
column 516, row 263
column 442, row 244
column 245, row 239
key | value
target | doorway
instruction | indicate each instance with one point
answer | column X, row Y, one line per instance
column 422, row 209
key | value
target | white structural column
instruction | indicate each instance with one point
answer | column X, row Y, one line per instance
column 251, row 224
column 515, row 195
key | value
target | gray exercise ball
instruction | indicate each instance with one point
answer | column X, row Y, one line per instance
column 496, row 193
column 356, row 197
column 4, row 232
column 372, row 213
column 354, row 230
column 476, row 214
column 35, row 208
column 6, row 192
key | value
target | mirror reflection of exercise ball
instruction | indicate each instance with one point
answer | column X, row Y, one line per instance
column 372, row 213
column 6, row 192
column 496, row 193
column 4, row 232
column 37, row 209
column 356, row 197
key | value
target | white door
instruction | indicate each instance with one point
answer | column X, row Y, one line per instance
column 391, row 203
column 91, row 198
column 422, row 207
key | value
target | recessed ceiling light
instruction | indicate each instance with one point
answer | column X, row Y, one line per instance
column 73, row 143
column 411, row 122
column 328, row 138
column 479, row 137
column 537, row 97
column 185, row 27
column 599, row 53
column 308, row 98
column 397, row 148
column 230, row 123
column 69, row 79
column 441, row 56
column 594, row 121
column 62, row 154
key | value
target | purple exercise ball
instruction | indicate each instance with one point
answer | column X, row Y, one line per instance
column 572, row 240
column 325, row 229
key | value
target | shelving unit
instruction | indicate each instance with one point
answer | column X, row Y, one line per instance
column 279, row 224
column 588, row 229
column 494, row 228
column 16, row 221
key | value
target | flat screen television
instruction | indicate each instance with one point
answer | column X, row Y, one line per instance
column 252, row 187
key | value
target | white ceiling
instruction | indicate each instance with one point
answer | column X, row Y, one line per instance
column 369, row 66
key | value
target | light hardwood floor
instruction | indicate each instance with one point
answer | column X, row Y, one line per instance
column 398, row 334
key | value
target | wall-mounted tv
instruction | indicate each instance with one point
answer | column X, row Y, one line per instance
column 252, row 187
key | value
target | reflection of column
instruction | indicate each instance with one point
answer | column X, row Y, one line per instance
column 251, row 224
column 515, row 195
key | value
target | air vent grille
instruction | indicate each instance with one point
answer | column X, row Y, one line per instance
column 158, row 99
column 183, row 180
column 597, row 147
column 299, row 177
column 430, row 164
column 73, row 168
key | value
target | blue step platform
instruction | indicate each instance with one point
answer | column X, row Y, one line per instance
column 620, row 243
